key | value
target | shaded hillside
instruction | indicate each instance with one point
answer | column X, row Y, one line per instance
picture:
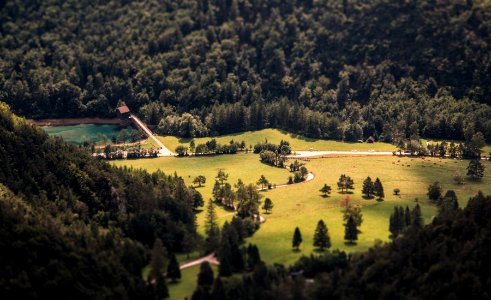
column 71, row 223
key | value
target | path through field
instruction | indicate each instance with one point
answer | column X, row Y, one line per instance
column 209, row 258
column 163, row 151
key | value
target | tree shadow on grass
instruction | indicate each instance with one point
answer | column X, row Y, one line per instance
column 350, row 244
column 325, row 196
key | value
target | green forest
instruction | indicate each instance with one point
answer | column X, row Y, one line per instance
column 285, row 76
column 70, row 222
column 340, row 69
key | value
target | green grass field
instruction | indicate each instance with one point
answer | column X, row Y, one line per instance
column 302, row 205
column 297, row 142
column 186, row 286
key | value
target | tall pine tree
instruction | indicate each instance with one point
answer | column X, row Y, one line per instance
column 368, row 187
column 322, row 239
column 297, row 239
column 350, row 231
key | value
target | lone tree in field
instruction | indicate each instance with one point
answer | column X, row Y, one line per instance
column 345, row 183
column 199, row 180
column 262, row 181
column 321, row 236
column 268, row 205
column 368, row 187
column 350, row 231
column 397, row 191
column 435, row 192
column 173, row 271
column 475, row 170
column 378, row 189
column 297, row 239
column 325, row 190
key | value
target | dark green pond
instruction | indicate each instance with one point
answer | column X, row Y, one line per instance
column 78, row 134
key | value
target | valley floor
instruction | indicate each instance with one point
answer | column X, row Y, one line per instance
column 302, row 205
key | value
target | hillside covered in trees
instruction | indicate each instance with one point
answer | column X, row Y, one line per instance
column 72, row 223
column 341, row 69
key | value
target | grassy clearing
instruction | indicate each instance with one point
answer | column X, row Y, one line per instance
column 244, row 166
column 302, row 205
column 186, row 286
column 297, row 142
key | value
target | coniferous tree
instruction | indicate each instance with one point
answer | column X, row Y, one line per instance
column 368, row 187
column 205, row 275
column 475, row 170
column 321, row 236
column 297, row 239
column 407, row 217
column 417, row 218
column 253, row 257
column 350, row 231
column 173, row 270
column 435, row 192
column 449, row 202
column 378, row 189
column 268, row 205
column 353, row 211
column 218, row 292
column 158, row 266
column 212, row 230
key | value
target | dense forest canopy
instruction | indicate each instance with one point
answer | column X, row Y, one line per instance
column 343, row 69
column 69, row 222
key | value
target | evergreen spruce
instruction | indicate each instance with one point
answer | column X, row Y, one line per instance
column 218, row 292
column 173, row 271
column 449, row 202
column 158, row 268
column 212, row 230
column 351, row 231
column 321, row 236
column 407, row 217
column 253, row 257
column 268, row 205
column 297, row 239
column 475, row 170
column 368, row 187
column 417, row 217
column 378, row 189
column 205, row 275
